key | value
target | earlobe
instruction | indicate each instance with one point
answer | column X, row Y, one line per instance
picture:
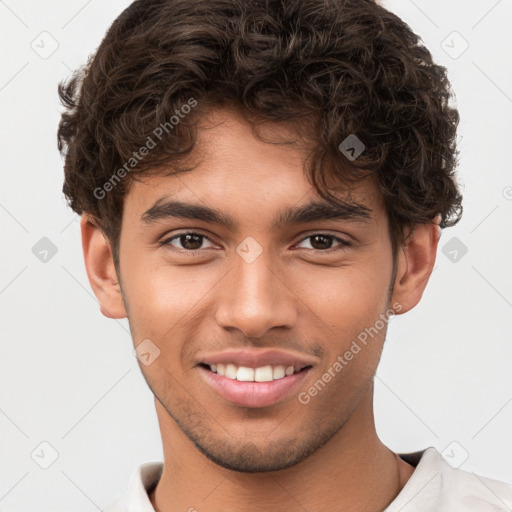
column 100, row 269
column 415, row 264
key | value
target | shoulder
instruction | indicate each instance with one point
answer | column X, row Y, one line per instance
column 436, row 486
column 477, row 492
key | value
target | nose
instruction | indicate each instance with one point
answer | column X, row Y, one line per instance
column 254, row 298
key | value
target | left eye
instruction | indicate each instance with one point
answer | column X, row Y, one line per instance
column 323, row 241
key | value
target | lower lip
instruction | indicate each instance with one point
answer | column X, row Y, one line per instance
column 253, row 394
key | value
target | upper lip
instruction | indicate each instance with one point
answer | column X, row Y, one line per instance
column 257, row 358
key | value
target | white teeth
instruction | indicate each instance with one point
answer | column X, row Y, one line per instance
column 245, row 374
column 231, row 371
column 279, row 372
column 263, row 374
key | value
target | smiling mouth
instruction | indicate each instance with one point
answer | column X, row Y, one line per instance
column 254, row 387
column 267, row 373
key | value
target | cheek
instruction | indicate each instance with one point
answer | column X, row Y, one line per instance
column 346, row 303
column 163, row 299
column 347, row 299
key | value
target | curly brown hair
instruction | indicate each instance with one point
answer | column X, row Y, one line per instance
column 332, row 67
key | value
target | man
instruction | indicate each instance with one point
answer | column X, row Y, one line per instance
column 262, row 186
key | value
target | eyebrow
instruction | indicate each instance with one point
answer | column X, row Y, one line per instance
column 311, row 212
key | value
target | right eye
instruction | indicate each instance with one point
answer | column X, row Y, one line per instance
column 190, row 241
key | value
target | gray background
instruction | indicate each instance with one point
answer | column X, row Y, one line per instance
column 69, row 378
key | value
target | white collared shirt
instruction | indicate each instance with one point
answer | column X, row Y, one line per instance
column 433, row 487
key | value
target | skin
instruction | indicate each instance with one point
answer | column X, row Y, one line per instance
column 324, row 455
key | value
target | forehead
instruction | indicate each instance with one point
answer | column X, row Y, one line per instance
column 233, row 170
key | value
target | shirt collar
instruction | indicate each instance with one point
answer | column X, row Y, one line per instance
column 142, row 482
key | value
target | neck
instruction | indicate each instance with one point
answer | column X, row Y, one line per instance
column 352, row 471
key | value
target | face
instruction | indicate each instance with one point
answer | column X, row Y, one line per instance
column 307, row 287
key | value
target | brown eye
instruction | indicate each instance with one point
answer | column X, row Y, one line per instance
column 188, row 241
column 324, row 241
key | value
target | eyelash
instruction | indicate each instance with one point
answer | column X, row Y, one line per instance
column 343, row 243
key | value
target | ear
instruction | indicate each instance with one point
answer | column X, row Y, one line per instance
column 100, row 268
column 415, row 264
